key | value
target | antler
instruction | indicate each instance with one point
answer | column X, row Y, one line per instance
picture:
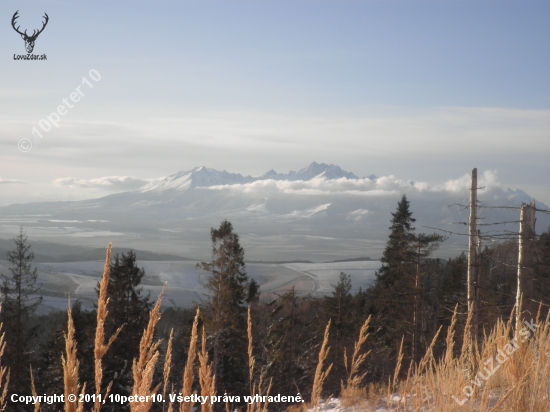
column 14, row 18
column 34, row 35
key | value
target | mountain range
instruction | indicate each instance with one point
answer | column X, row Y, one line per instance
column 318, row 213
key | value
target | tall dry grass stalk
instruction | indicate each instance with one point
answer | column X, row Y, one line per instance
column 393, row 383
column 70, row 365
column 251, row 360
column 320, row 375
column 207, row 379
column 351, row 393
column 143, row 368
column 354, row 380
column 4, row 372
column 188, row 371
column 167, row 365
column 100, row 347
column 513, row 374
column 33, row 391
column 255, row 387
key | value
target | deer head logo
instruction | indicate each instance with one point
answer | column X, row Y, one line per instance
column 29, row 40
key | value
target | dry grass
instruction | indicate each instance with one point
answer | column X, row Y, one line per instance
column 255, row 387
column 207, row 379
column 143, row 367
column 100, row 347
column 70, row 368
column 167, row 366
column 354, row 380
column 509, row 379
column 33, row 391
column 351, row 393
column 507, row 371
column 513, row 375
column 188, row 371
column 4, row 372
column 251, row 362
column 320, row 375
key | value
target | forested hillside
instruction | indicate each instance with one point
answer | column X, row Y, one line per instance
column 251, row 343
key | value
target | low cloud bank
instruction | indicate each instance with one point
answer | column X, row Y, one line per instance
column 11, row 181
column 382, row 186
column 111, row 183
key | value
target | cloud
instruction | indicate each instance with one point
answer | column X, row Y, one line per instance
column 111, row 183
column 424, row 144
column 382, row 186
column 487, row 181
column 12, row 181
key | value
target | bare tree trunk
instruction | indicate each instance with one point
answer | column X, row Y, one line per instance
column 477, row 283
column 415, row 310
column 526, row 258
column 472, row 256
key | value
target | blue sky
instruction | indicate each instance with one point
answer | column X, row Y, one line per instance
column 421, row 89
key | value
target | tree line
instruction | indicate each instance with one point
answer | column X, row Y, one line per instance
column 412, row 296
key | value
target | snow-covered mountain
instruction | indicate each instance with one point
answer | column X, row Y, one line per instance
column 206, row 177
column 314, row 170
column 197, row 177
column 319, row 212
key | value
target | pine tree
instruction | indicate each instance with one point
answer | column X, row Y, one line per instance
column 224, row 314
column 20, row 300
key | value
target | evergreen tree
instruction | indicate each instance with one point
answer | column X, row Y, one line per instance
column 542, row 273
column 453, row 286
column 19, row 302
column 391, row 298
column 339, row 309
column 292, row 342
column 130, row 309
column 224, row 314
column 48, row 373
column 425, row 288
column 402, row 287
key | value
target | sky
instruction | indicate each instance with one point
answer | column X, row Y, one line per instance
column 423, row 90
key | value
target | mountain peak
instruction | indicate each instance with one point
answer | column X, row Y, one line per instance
column 202, row 176
column 328, row 171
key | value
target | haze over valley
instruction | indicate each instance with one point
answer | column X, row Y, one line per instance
column 320, row 213
column 299, row 229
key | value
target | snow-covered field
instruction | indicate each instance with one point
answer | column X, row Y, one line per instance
column 185, row 283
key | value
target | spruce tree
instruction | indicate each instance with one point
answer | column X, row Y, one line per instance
column 403, row 284
column 339, row 309
column 391, row 297
column 128, row 307
column 542, row 272
column 423, row 245
column 292, row 343
column 224, row 314
column 48, row 371
column 19, row 302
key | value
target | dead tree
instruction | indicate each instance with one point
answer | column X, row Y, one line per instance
column 473, row 269
column 526, row 260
